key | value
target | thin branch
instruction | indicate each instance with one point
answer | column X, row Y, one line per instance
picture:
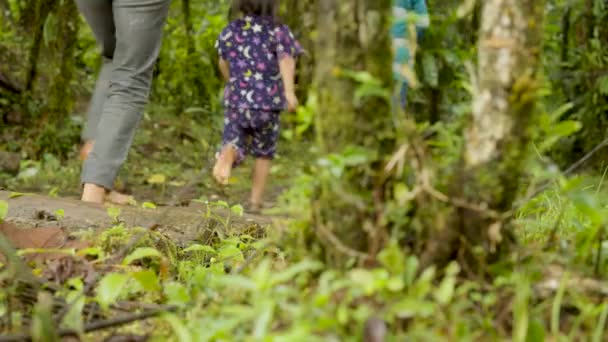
column 99, row 325
column 337, row 243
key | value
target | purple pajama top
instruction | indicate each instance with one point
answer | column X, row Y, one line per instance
column 253, row 46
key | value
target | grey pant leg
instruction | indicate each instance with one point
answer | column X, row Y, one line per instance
column 100, row 17
column 139, row 26
column 97, row 101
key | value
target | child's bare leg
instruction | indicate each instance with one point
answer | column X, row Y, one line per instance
column 223, row 165
column 260, row 176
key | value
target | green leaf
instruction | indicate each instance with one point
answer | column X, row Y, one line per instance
column 140, row 253
column 74, row 318
column 110, row 288
column 602, row 85
column 157, row 179
column 365, row 279
column 292, row 271
column 536, row 332
column 445, row 292
column 147, row 279
column 114, row 213
column 179, row 328
column 402, row 193
column 92, row 251
column 177, row 294
column 264, row 320
column 60, row 213
column 221, row 204
column 199, row 248
column 148, row 205
column 430, row 74
column 230, row 252
column 43, row 327
column 237, row 210
column 3, row 210
column 409, row 307
column 15, row 195
column 392, row 258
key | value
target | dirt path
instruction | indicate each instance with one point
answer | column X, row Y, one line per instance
column 181, row 224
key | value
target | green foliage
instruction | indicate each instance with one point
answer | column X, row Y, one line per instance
column 3, row 210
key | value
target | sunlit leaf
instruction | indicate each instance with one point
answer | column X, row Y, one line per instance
column 148, row 205
column 292, row 271
column 147, row 279
column 110, row 288
column 140, row 253
column 60, row 213
column 157, row 179
column 409, row 307
column 177, row 294
column 230, row 252
column 199, row 248
column 179, row 328
column 602, row 84
column 114, row 213
column 237, row 210
column 3, row 210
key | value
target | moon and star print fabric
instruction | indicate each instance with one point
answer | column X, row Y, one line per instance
column 253, row 47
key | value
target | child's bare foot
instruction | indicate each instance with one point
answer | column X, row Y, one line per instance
column 85, row 150
column 223, row 166
column 254, row 208
column 115, row 197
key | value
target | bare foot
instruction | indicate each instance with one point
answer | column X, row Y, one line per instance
column 115, row 197
column 93, row 193
column 85, row 150
column 254, row 208
column 223, row 166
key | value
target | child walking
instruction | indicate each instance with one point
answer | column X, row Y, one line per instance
column 257, row 60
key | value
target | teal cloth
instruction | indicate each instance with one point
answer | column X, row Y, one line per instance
column 402, row 11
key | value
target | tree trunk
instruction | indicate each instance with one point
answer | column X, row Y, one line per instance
column 352, row 36
column 498, row 135
column 61, row 97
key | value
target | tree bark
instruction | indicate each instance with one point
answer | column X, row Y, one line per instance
column 498, row 135
column 352, row 36
column 61, row 97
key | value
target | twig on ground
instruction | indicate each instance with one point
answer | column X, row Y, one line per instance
column 99, row 325
column 337, row 243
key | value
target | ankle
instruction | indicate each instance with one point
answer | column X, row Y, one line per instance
column 93, row 193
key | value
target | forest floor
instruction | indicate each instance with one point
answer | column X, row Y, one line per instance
column 230, row 276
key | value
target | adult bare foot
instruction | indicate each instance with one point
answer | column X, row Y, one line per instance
column 93, row 193
column 116, row 197
column 86, row 149
column 223, row 166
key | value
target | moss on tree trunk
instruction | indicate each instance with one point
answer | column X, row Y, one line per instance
column 351, row 36
column 498, row 135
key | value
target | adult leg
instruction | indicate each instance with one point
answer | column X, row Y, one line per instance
column 100, row 17
column 139, row 25
column 96, row 106
column 98, row 14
